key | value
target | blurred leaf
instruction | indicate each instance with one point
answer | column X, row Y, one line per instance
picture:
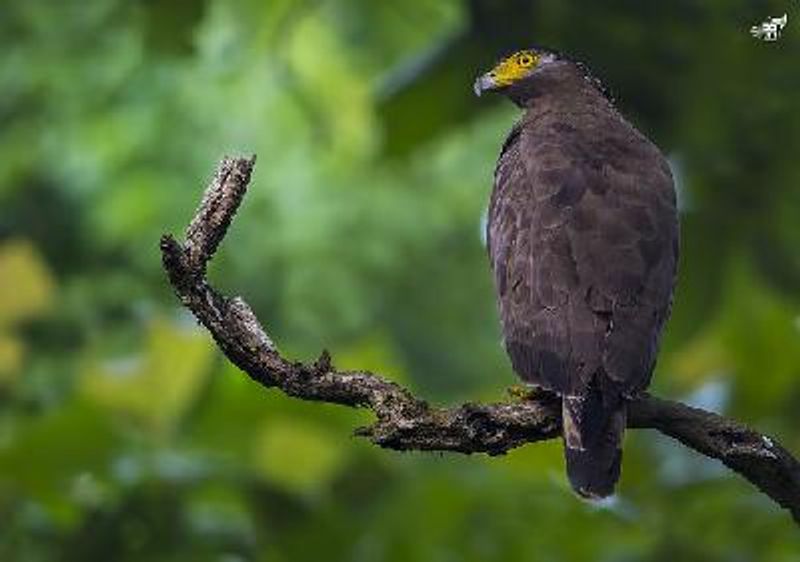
column 342, row 114
column 46, row 456
column 12, row 352
column 702, row 357
column 296, row 455
column 540, row 461
column 374, row 353
column 170, row 25
column 759, row 331
column 753, row 339
column 156, row 388
column 26, row 286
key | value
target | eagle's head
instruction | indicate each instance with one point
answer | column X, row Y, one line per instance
column 516, row 74
column 513, row 70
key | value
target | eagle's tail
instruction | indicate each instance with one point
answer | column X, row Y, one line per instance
column 593, row 427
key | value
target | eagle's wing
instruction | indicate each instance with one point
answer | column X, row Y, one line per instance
column 532, row 282
column 582, row 240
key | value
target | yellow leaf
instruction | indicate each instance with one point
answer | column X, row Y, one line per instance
column 297, row 455
column 26, row 284
column 699, row 359
column 12, row 352
column 156, row 387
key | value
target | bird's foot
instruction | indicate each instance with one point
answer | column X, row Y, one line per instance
column 523, row 392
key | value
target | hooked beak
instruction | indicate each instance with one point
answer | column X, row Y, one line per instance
column 484, row 83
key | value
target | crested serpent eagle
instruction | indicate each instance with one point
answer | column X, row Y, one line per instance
column 583, row 243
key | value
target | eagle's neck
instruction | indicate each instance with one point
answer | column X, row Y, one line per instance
column 563, row 85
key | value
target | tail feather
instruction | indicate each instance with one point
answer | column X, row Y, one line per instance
column 594, row 424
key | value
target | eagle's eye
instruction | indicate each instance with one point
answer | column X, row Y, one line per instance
column 525, row 60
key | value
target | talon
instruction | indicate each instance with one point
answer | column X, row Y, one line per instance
column 522, row 392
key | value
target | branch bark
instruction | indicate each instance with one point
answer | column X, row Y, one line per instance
column 405, row 422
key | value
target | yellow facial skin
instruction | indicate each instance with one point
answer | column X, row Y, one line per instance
column 507, row 71
column 512, row 68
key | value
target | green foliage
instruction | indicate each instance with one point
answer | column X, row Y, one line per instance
column 125, row 436
column 154, row 390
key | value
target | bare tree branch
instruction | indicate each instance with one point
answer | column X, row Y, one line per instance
column 405, row 422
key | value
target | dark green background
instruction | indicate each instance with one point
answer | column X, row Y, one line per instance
column 124, row 435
